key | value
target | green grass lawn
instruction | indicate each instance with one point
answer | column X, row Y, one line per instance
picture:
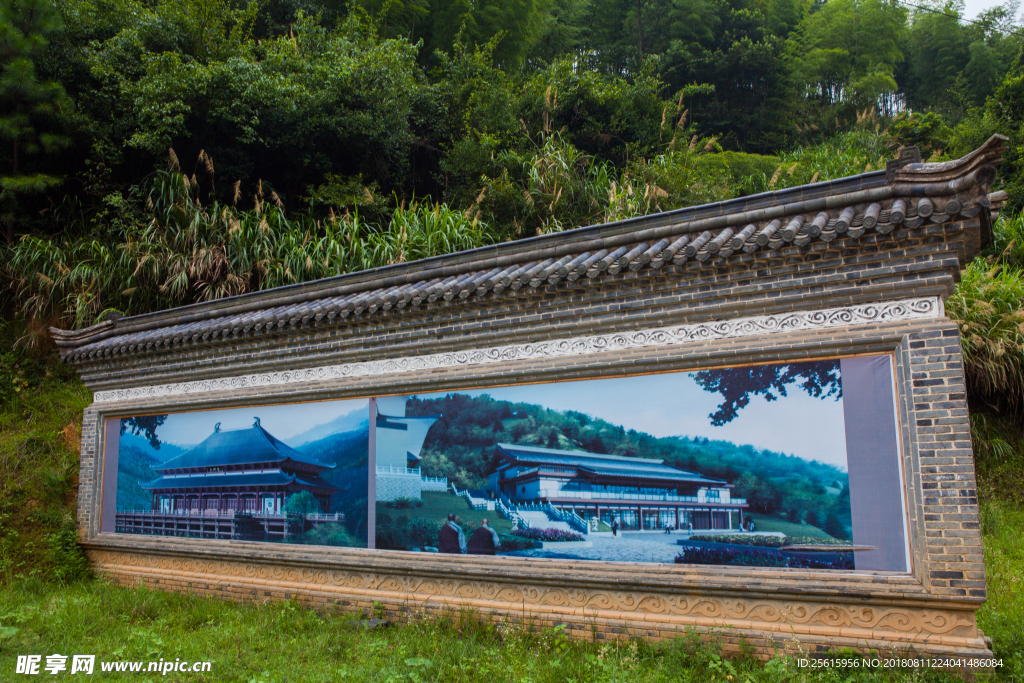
column 437, row 505
column 1002, row 617
column 769, row 523
column 286, row 643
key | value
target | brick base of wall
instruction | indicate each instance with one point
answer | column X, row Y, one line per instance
column 765, row 625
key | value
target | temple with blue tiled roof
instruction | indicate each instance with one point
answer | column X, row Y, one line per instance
column 244, row 470
column 637, row 493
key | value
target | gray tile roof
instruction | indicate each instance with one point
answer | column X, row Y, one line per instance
column 907, row 194
column 601, row 465
column 239, row 447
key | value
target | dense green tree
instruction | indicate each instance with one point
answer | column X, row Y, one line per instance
column 848, row 51
column 29, row 106
column 146, row 426
column 301, row 503
column 820, row 379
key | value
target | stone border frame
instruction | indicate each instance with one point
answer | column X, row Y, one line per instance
column 927, row 610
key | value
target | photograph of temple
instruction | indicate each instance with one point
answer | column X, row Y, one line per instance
column 245, row 483
column 688, row 467
column 633, row 492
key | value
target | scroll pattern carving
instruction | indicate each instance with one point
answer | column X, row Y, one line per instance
column 768, row 614
column 797, row 321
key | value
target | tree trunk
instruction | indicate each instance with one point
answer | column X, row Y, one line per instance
column 639, row 31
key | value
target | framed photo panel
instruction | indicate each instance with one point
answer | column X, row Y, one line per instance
column 792, row 465
column 281, row 474
column 785, row 465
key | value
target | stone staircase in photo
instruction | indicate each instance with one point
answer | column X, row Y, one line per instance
column 538, row 519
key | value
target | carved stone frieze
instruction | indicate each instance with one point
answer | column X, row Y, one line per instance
column 884, row 619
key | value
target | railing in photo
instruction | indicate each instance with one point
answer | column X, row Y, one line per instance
column 404, row 471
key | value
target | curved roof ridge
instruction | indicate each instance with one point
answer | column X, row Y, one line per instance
column 236, row 447
column 290, row 453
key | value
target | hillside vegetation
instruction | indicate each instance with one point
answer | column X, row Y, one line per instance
column 167, row 152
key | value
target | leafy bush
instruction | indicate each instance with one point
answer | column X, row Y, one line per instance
column 766, row 541
column 511, row 543
column 549, row 535
column 187, row 252
column 421, row 532
column 757, row 558
column 405, row 533
column 404, row 503
column 67, row 558
column 302, row 503
column 988, row 305
column 329, row 534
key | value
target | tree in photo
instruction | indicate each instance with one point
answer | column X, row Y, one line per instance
column 820, row 379
column 145, row 426
column 302, row 503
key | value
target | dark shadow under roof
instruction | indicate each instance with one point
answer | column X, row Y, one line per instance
column 232, row 479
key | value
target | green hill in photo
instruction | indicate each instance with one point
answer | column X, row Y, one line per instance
column 459, row 446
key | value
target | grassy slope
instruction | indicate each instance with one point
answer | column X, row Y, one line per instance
column 39, row 441
column 769, row 523
column 437, row 505
column 1002, row 617
column 280, row 642
column 273, row 643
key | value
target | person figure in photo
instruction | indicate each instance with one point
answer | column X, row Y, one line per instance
column 668, row 529
column 615, row 527
column 484, row 540
column 450, row 538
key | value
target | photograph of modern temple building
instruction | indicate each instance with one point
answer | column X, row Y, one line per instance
column 247, row 483
column 629, row 492
column 724, row 466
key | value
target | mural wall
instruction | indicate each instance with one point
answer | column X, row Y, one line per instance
column 781, row 465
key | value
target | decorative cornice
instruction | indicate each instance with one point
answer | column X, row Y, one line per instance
column 796, row 321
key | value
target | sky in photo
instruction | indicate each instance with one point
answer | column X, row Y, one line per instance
column 675, row 405
column 283, row 421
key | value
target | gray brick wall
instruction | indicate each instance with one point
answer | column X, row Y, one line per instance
column 933, row 420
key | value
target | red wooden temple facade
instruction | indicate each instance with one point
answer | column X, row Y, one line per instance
column 243, row 470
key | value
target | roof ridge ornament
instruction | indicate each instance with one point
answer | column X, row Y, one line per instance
column 256, row 424
column 216, row 428
column 907, row 156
